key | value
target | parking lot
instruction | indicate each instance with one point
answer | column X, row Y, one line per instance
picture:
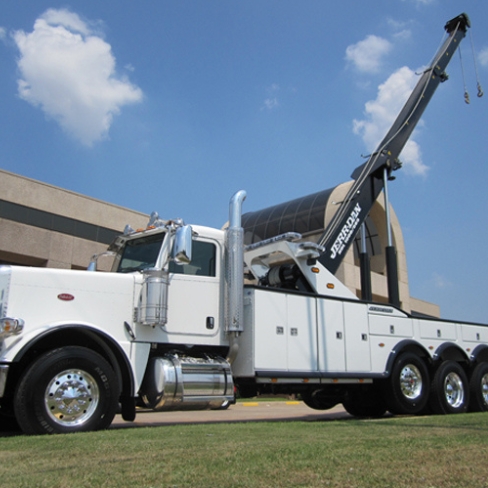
column 240, row 412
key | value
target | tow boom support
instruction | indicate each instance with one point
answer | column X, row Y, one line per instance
column 368, row 178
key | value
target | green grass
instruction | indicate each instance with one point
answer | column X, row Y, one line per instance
column 440, row 451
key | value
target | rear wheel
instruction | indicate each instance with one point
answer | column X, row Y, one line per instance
column 408, row 388
column 318, row 400
column 450, row 393
column 478, row 388
column 368, row 403
column 71, row 389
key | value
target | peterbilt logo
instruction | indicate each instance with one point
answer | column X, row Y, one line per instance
column 66, row 297
column 346, row 232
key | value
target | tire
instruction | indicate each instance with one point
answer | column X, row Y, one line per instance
column 449, row 392
column 318, row 400
column 478, row 388
column 369, row 404
column 8, row 424
column 408, row 387
column 71, row 389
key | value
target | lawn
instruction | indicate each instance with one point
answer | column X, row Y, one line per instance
column 437, row 451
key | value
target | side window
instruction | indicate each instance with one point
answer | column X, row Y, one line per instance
column 202, row 262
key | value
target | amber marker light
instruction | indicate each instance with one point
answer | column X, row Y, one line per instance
column 10, row 326
column 315, row 270
column 330, row 286
column 381, row 344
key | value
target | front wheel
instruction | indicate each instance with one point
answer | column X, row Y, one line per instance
column 71, row 389
column 450, row 393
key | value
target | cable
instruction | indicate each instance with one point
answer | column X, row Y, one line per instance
column 466, row 94
column 478, row 84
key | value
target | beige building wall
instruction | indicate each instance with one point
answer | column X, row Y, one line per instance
column 25, row 244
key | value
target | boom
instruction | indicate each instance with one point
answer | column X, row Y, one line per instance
column 368, row 178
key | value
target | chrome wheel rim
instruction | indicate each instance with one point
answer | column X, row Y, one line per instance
column 71, row 397
column 484, row 388
column 411, row 382
column 454, row 390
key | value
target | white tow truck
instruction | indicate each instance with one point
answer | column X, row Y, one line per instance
column 190, row 314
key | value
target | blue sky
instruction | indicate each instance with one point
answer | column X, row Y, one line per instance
column 175, row 105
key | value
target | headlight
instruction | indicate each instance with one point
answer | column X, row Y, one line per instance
column 10, row 326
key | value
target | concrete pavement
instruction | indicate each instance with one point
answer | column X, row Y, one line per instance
column 240, row 412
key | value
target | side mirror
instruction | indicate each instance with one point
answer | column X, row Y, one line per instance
column 93, row 263
column 182, row 245
column 94, row 259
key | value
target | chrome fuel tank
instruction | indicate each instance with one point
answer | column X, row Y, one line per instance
column 174, row 382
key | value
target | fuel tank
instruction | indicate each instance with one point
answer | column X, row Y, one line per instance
column 174, row 382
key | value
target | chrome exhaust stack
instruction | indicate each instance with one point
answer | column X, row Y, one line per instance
column 234, row 275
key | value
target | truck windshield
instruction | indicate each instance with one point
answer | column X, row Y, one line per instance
column 140, row 253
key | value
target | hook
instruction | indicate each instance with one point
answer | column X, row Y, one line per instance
column 478, row 84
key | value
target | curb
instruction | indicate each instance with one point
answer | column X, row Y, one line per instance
column 256, row 404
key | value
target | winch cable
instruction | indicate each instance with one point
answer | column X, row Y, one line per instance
column 478, row 83
column 466, row 94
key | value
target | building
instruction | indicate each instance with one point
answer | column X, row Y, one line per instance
column 310, row 215
column 42, row 225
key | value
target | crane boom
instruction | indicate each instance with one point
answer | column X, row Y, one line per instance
column 368, row 177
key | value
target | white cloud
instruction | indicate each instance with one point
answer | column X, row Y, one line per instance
column 366, row 55
column 3, row 33
column 271, row 102
column 400, row 29
column 421, row 2
column 382, row 112
column 67, row 19
column 403, row 35
column 69, row 72
column 439, row 281
column 483, row 57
